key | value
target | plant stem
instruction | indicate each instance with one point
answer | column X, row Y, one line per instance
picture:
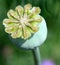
column 36, row 54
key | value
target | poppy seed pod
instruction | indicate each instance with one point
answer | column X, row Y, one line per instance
column 27, row 28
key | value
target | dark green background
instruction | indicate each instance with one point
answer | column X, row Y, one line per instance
column 10, row 54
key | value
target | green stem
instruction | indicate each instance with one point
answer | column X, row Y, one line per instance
column 36, row 54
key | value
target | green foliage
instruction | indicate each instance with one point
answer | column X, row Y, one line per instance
column 50, row 49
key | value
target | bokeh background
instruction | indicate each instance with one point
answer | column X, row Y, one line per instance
column 12, row 55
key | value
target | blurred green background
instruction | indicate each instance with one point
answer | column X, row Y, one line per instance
column 11, row 55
